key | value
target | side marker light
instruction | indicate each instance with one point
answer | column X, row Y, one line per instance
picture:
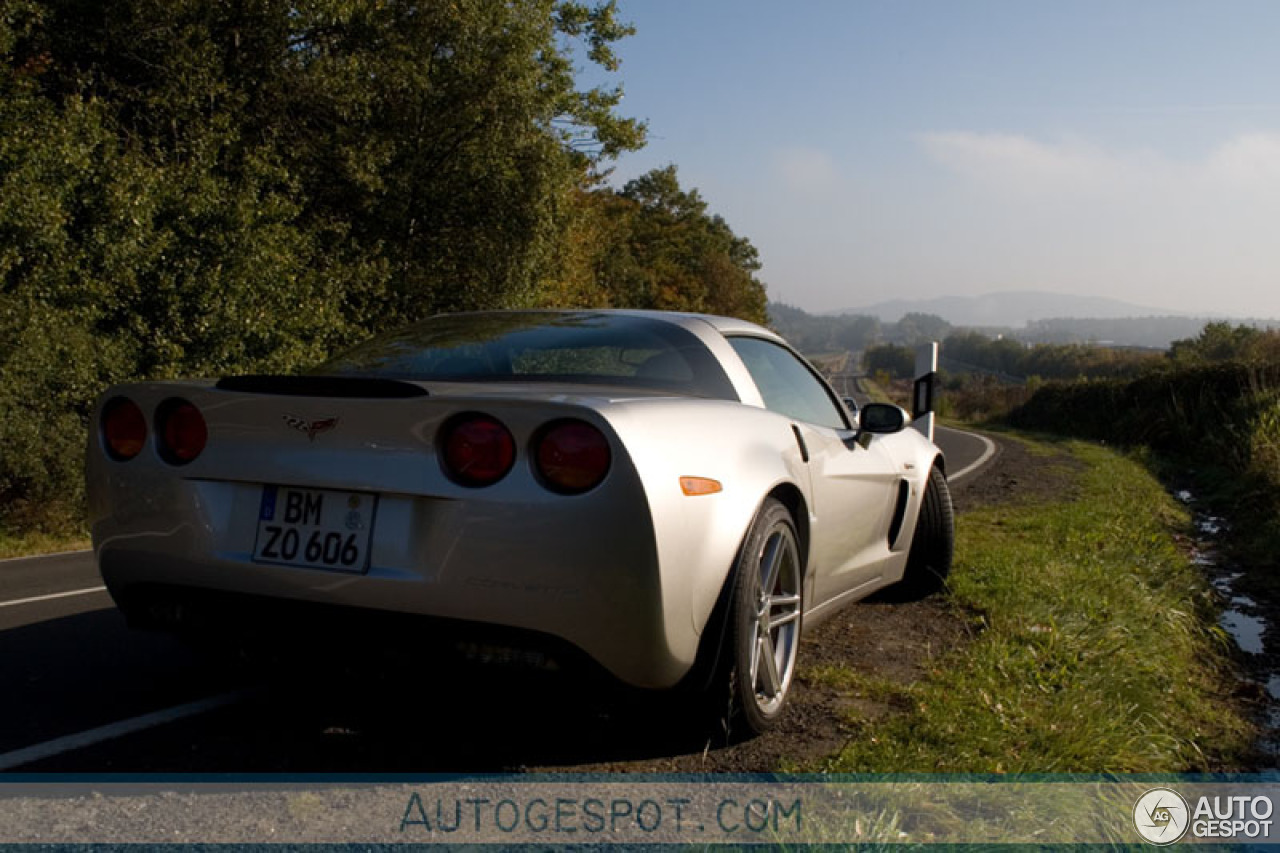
column 694, row 486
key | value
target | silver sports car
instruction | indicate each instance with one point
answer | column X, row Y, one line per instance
column 669, row 498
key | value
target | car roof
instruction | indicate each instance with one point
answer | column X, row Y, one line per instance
column 686, row 319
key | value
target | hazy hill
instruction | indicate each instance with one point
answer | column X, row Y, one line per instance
column 814, row 333
column 1013, row 309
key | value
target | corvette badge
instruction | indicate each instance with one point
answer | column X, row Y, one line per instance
column 311, row 428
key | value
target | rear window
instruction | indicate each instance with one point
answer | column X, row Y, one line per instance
column 576, row 348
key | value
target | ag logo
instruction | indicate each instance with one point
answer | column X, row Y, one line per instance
column 1161, row 816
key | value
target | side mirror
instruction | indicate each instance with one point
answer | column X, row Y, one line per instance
column 881, row 418
column 850, row 404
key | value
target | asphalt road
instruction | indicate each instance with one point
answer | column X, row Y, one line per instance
column 84, row 693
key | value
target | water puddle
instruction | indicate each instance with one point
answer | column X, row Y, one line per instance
column 1241, row 616
column 1247, row 631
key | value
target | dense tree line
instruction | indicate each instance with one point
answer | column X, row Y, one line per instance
column 193, row 188
column 890, row 347
column 815, row 333
column 822, row 333
column 895, row 361
column 1151, row 332
column 1014, row 358
column 1221, row 341
column 655, row 245
column 832, row 332
column 1216, row 342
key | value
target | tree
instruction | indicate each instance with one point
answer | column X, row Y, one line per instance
column 390, row 159
column 194, row 188
column 677, row 256
column 917, row 328
column 899, row 362
column 1220, row 341
column 655, row 245
column 857, row 332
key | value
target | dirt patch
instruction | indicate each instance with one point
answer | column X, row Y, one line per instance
column 894, row 642
column 1017, row 473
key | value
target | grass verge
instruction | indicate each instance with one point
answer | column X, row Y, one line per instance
column 1250, row 503
column 34, row 544
column 58, row 530
column 1095, row 646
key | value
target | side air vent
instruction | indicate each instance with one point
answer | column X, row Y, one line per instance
column 322, row 386
column 899, row 511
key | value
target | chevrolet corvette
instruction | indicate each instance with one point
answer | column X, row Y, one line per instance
column 667, row 499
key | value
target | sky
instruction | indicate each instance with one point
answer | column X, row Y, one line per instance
column 910, row 149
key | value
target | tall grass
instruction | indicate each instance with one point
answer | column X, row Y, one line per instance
column 1218, row 425
column 1095, row 646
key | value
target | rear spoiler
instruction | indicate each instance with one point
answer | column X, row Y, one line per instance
column 321, row 386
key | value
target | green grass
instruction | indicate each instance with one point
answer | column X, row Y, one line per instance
column 60, row 531
column 33, row 544
column 1097, row 648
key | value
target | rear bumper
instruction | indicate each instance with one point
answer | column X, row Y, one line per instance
column 580, row 571
column 306, row 634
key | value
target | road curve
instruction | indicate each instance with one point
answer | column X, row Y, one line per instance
column 966, row 452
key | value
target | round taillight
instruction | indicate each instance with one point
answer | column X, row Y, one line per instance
column 572, row 457
column 476, row 450
column 181, row 430
column 124, row 429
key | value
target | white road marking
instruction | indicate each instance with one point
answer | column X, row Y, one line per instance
column 987, row 453
column 80, row 740
column 52, row 596
column 43, row 556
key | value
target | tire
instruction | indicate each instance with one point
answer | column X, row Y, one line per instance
column 933, row 544
column 763, row 631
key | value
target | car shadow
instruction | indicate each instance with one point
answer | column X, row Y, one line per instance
column 407, row 715
column 72, row 673
column 474, row 721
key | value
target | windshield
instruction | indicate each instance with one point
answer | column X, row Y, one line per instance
column 580, row 348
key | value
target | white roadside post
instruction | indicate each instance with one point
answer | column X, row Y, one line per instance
column 922, row 392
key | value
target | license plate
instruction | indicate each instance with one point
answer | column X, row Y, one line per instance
column 315, row 528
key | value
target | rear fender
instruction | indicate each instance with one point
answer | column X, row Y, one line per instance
column 748, row 451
